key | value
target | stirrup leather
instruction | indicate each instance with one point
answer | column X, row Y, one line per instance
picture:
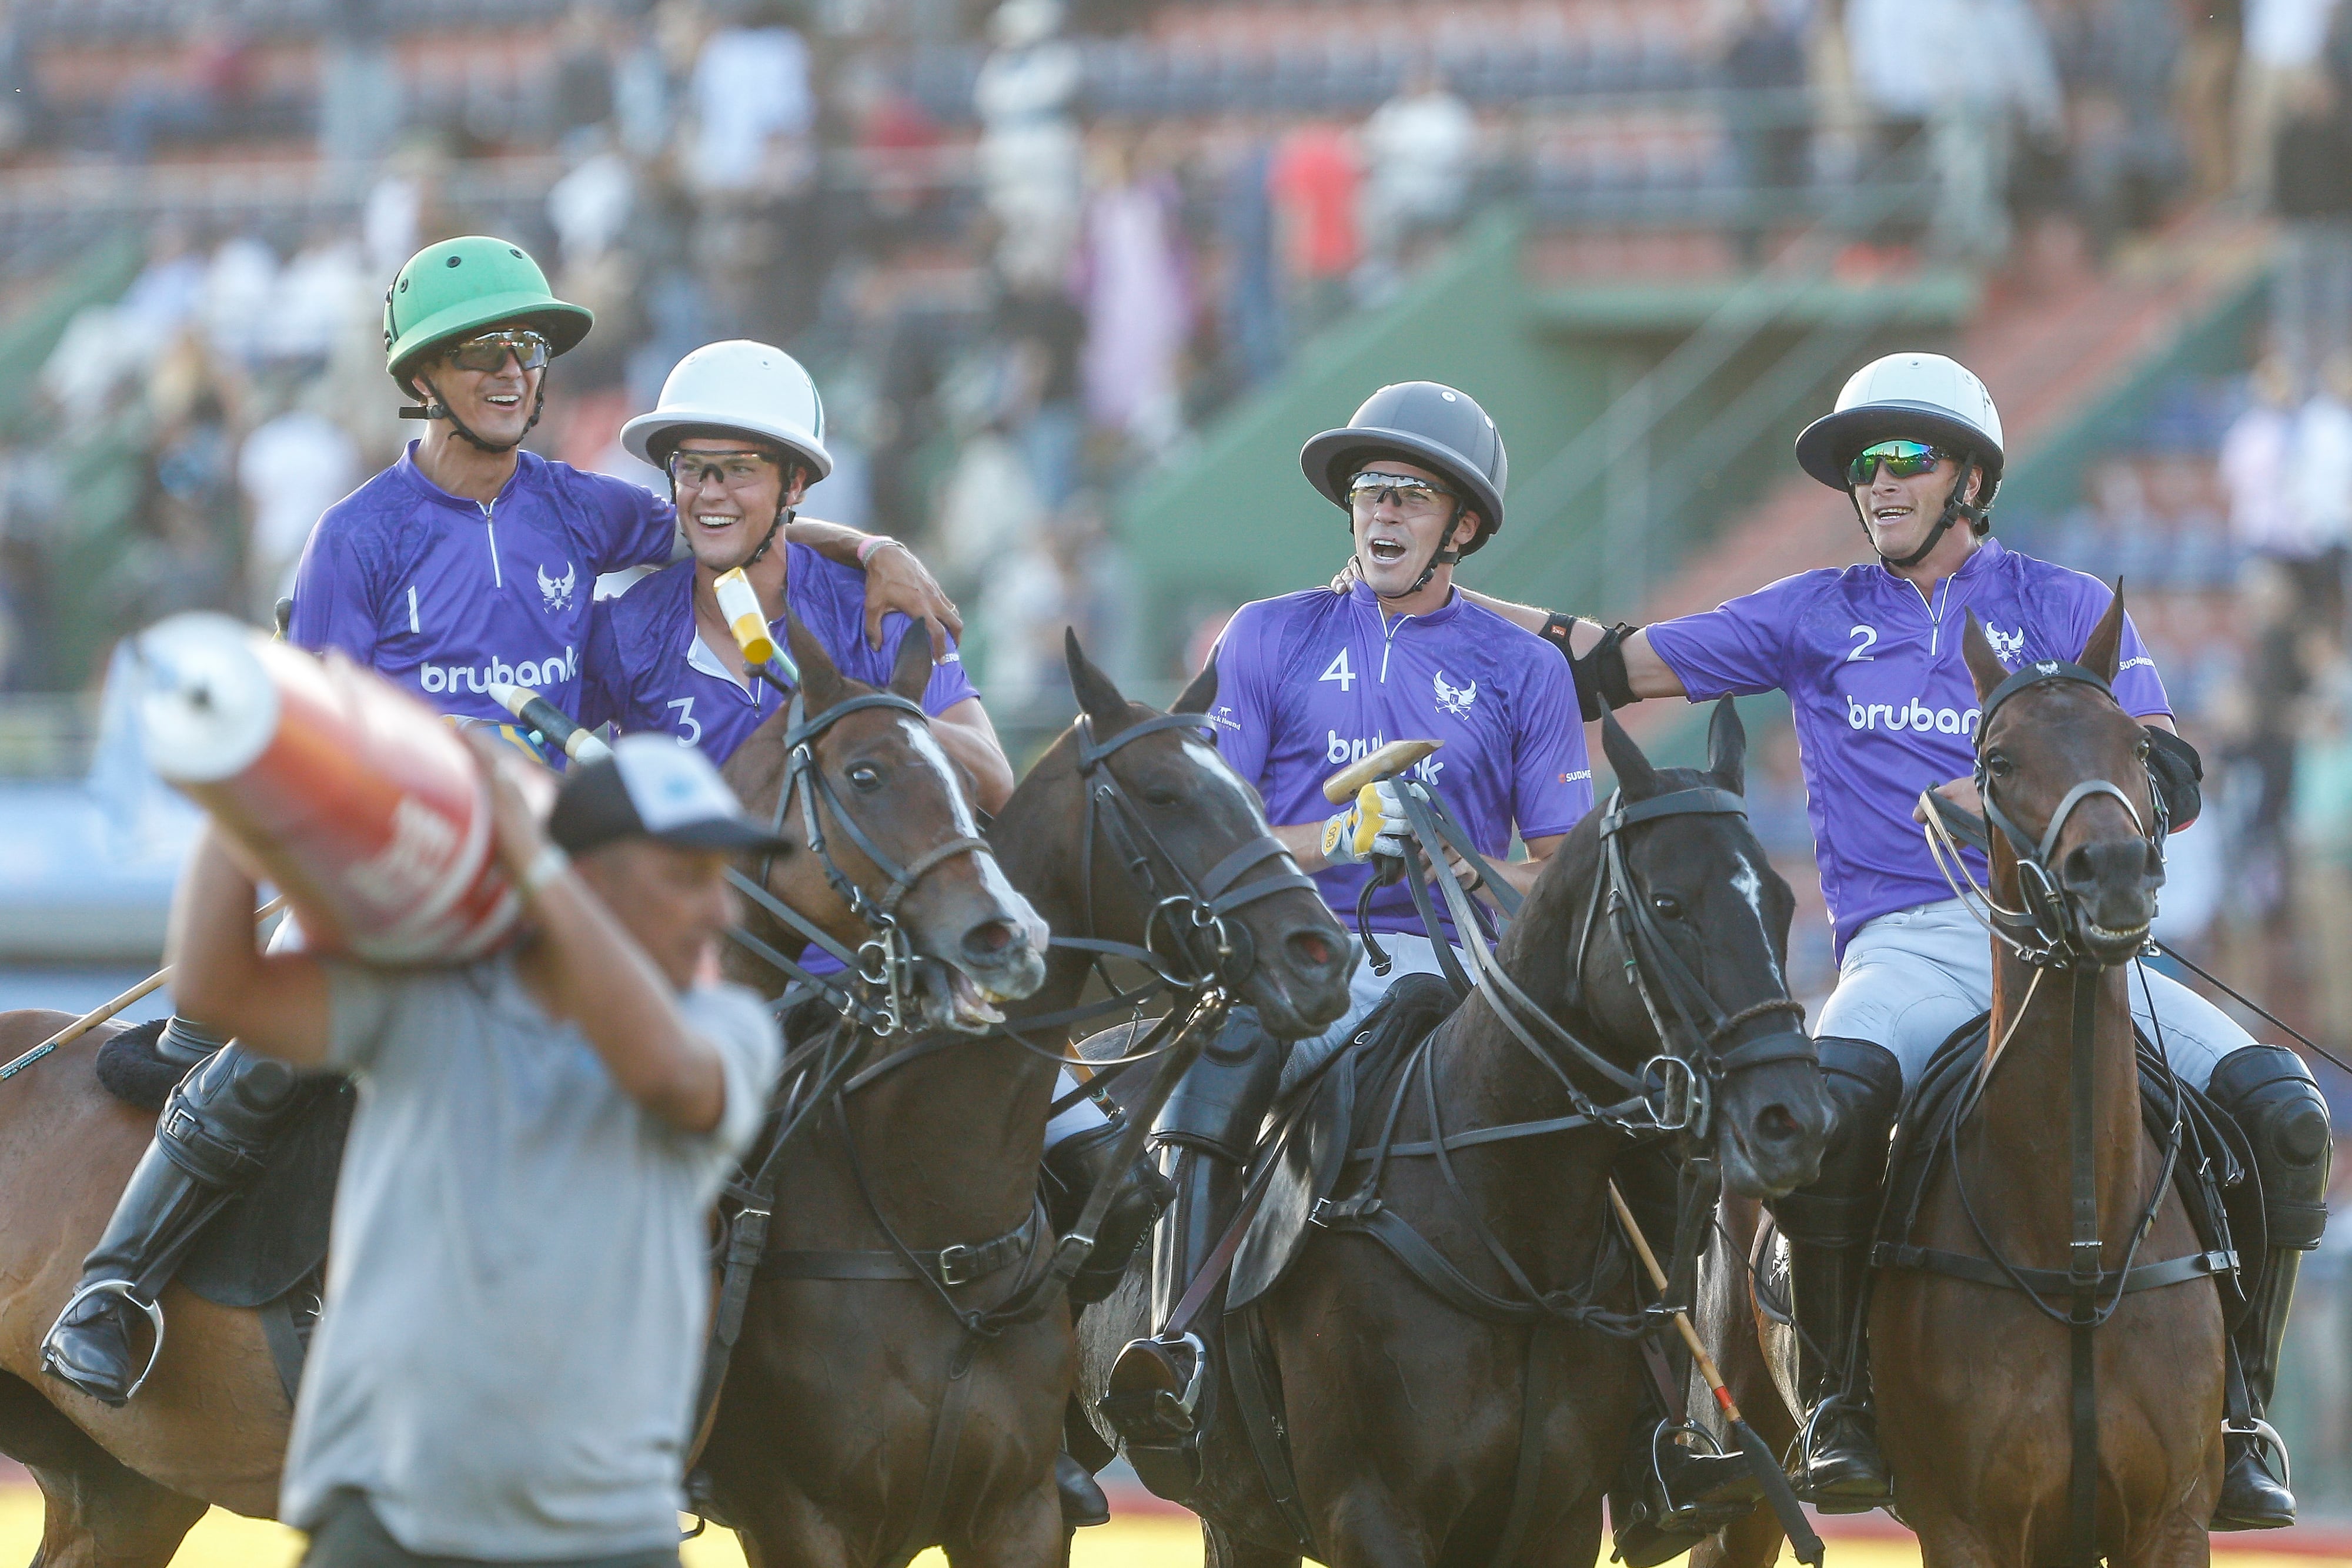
column 129, row 1292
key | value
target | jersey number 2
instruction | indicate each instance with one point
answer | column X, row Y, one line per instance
column 1865, row 638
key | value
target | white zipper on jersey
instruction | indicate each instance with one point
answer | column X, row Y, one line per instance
column 1935, row 616
column 496, row 577
column 1390, row 623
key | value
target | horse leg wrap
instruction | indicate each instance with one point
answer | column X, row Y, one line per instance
column 1828, row 1227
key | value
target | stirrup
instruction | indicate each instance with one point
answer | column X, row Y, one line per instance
column 1136, row 1414
column 2264, row 1435
column 124, row 1289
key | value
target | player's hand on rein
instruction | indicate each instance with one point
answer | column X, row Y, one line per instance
column 1961, row 792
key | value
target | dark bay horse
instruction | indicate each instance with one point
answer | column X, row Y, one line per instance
column 1971, row 1381
column 1417, row 1430
column 123, row 1486
column 826, row 1432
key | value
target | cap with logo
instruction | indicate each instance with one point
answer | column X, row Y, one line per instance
column 653, row 787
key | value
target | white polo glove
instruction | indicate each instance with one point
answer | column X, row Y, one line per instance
column 1374, row 825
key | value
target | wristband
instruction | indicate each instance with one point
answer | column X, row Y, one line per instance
column 867, row 546
column 545, row 867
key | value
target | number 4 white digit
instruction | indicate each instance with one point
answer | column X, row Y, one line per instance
column 1340, row 672
column 1865, row 638
column 687, row 721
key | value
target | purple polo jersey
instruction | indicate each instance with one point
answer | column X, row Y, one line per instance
column 647, row 669
column 1311, row 682
column 1884, row 702
column 446, row 596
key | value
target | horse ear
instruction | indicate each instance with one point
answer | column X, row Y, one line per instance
column 1984, row 666
column 1201, row 694
column 1102, row 701
column 821, row 682
column 912, row 672
column 1727, row 747
column 1636, row 776
column 2104, row 650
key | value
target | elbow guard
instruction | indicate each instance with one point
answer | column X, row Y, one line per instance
column 2175, row 769
column 1601, row 677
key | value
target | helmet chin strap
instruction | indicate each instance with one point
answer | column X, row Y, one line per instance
column 1954, row 510
column 1444, row 555
column 438, row 407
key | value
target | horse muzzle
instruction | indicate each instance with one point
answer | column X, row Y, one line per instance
column 2110, row 888
column 1772, row 1115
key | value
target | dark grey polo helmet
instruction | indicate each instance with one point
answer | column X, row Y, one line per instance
column 1426, row 424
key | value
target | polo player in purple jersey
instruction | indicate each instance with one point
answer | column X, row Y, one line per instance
column 467, row 563
column 1309, row 682
column 1885, row 706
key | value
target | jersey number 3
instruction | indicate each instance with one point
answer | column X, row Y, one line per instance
column 1340, row 672
column 689, row 726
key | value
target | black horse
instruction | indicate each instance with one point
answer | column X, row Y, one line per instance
column 1478, row 1409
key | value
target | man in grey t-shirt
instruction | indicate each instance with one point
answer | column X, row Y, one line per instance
column 519, row 1284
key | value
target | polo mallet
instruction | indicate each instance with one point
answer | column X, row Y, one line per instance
column 740, row 602
column 1349, row 782
column 531, row 708
column 1802, row 1541
column 105, row 1010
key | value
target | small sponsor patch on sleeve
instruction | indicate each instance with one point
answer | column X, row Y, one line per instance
column 1572, row 777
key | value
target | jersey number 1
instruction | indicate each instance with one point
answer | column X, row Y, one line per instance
column 1340, row 672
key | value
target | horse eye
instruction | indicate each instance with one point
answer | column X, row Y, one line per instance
column 1999, row 766
column 1667, row 904
column 1160, row 796
column 2140, row 750
column 865, row 775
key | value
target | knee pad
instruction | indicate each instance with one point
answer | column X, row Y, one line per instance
column 2270, row 1093
column 1223, row 1096
column 1866, row 1084
column 218, row 1121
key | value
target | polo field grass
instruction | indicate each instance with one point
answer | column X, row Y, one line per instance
column 1154, row 1541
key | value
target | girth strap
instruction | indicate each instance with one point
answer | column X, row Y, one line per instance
column 1984, row 1271
column 959, row 1264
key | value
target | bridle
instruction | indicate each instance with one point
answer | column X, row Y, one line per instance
column 884, row 964
column 2046, row 933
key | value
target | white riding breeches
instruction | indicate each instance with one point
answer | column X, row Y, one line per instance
column 1408, row 955
column 1083, row 1116
column 1910, row 978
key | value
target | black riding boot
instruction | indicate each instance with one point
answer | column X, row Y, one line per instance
column 1828, row 1225
column 1670, row 1494
column 1073, row 1168
column 209, row 1141
column 2268, row 1093
column 1207, row 1130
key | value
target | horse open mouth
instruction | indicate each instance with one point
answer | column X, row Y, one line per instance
column 2104, row 940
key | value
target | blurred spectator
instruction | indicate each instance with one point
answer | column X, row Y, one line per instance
column 1044, row 333
column 2311, row 289
column 591, row 205
column 2257, row 461
column 1762, row 66
column 1314, row 183
column 2004, row 83
column 753, row 108
column 1885, row 40
column 2209, row 71
column 291, row 468
column 1137, row 299
column 358, row 82
column 583, row 69
column 1253, row 294
column 2321, row 835
column 643, row 92
column 1418, row 149
column 1030, row 159
column 2121, row 62
column 2322, row 488
column 2283, row 40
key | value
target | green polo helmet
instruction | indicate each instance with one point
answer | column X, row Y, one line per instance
column 461, row 287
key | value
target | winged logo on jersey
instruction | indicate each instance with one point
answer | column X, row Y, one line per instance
column 1456, row 700
column 2008, row 647
column 556, row 591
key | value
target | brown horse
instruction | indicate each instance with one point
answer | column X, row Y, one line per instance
column 1420, row 1431
column 123, row 1486
column 1971, row 1381
column 824, row 1437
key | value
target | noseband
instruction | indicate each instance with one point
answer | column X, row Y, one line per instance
column 1204, row 949
column 2047, row 932
column 884, row 962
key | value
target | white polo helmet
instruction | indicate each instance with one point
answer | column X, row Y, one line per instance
column 1918, row 397
column 737, row 387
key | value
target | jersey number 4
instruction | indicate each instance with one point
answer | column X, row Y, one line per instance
column 1340, row 672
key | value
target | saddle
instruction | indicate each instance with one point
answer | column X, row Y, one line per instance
column 267, row 1249
column 2214, row 1173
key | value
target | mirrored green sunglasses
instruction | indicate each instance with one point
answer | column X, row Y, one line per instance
column 1903, row 459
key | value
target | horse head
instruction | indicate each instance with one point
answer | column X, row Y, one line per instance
column 1680, row 943
column 1167, row 861
column 2061, row 772
column 896, row 838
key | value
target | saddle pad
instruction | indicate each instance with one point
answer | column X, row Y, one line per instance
column 2214, row 1174
column 129, row 1069
column 271, row 1236
column 1315, row 1153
